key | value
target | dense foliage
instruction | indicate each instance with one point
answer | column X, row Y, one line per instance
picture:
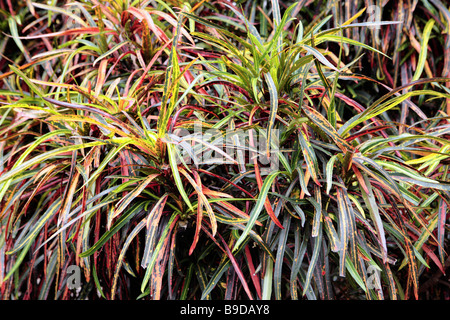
column 222, row 150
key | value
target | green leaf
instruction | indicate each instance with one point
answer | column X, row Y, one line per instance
column 310, row 157
column 254, row 214
column 15, row 34
column 129, row 197
column 267, row 282
column 170, row 224
column 320, row 121
column 202, row 21
column 378, row 107
column 319, row 57
column 301, row 179
column 251, row 28
column 97, row 282
column 152, row 222
column 273, row 110
column 176, row 175
column 423, row 49
column 125, row 246
column 354, row 273
column 5, row 184
column 317, row 204
column 313, row 262
column 329, row 172
column 32, row 234
column 32, row 86
column 277, row 274
column 371, row 204
column 123, row 219
column 216, row 278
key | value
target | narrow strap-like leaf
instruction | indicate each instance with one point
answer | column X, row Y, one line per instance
column 32, row 234
column 273, row 93
column 152, row 223
column 123, row 219
column 280, row 257
column 258, row 207
column 371, row 204
column 125, row 246
column 166, row 232
column 310, row 157
column 125, row 201
column 314, row 258
column 176, row 175
column 320, row 121
column 423, row 49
